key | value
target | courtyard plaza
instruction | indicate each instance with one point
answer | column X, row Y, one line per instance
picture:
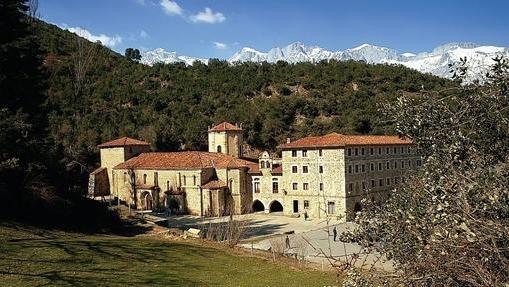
column 308, row 239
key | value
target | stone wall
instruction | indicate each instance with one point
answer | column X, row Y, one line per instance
column 323, row 188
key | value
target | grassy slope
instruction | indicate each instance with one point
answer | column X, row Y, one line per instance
column 33, row 257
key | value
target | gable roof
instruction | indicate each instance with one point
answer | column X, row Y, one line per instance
column 214, row 184
column 224, row 126
column 339, row 140
column 183, row 160
column 123, row 141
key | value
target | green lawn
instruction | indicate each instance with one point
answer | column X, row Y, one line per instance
column 34, row 257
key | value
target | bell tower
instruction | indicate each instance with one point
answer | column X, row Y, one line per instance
column 226, row 138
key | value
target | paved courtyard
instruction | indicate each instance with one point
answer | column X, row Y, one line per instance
column 308, row 239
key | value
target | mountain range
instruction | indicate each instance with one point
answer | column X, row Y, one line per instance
column 436, row 62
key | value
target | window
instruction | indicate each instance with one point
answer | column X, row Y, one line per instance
column 156, row 179
column 295, row 186
column 304, row 153
column 267, row 164
column 379, row 151
column 294, row 153
column 372, row 167
column 331, row 207
column 387, row 150
column 321, row 186
column 356, row 151
column 320, row 153
column 230, row 185
column 349, row 169
column 305, row 169
column 379, row 166
column 388, row 165
column 219, row 148
column 194, row 180
column 320, row 169
column 294, row 169
column 256, row 185
column 125, row 177
column 184, row 180
column 263, row 164
column 275, row 187
column 363, row 168
column 373, row 183
column 409, row 163
column 305, row 186
column 395, row 150
column 144, row 179
column 362, row 151
column 401, row 150
column 388, row 181
column 349, row 152
column 356, row 168
column 167, row 185
column 418, row 162
column 402, row 164
column 371, row 151
column 306, row 203
column 350, row 187
column 380, row 182
column 395, row 164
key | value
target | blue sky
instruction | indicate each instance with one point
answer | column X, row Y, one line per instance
column 218, row 28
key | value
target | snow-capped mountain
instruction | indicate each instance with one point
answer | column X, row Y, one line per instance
column 436, row 62
column 159, row 55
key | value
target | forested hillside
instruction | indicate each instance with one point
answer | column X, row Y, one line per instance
column 95, row 95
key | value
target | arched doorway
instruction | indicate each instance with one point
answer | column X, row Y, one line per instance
column 258, row 206
column 275, row 206
column 147, row 201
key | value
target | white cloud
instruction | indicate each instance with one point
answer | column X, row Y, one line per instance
column 220, row 46
column 143, row 34
column 141, row 2
column 106, row 40
column 208, row 16
column 171, row 7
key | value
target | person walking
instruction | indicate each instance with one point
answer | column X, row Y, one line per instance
column 305, row 216
column 287, row 240
column 335, row 232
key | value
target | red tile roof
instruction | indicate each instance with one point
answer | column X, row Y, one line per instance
column 214, row 184
column 277, row 169
column 254, row 168
column 183, row 160
column 123, row 141
column 225, row 126
column 339, row 140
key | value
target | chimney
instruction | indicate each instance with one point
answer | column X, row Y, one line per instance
column 288, row 140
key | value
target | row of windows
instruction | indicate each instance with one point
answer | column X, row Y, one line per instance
column 257, row 189
column 304, row 153
column 371, row 167
column 305, row 186
column 305, row 169
column 378, row 151
column 381, row 182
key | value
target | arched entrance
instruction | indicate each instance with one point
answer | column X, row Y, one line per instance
column 148, row 201
column 275, row 206
column 258, row 206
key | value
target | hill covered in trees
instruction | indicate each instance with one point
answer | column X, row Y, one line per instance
column 94, row 95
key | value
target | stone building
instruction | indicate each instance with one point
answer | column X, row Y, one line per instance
column 329, row 175
column 319, row 175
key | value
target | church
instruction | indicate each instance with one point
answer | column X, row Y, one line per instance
column 318, row 175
